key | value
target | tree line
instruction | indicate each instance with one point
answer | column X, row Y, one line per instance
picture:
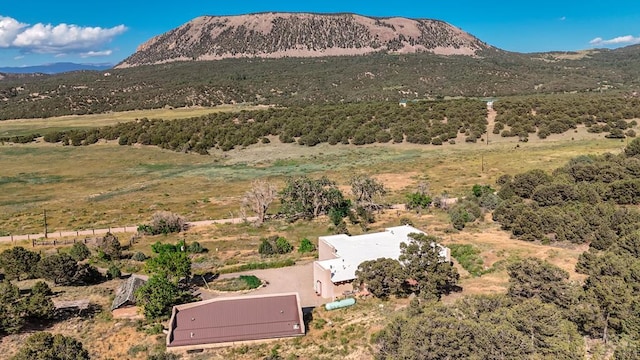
column 295, row 82
column 584, row 201
column 553, row 114
column 427, row 122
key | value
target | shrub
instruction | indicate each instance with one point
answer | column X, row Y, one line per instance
column 164, row 222
column 79, row 251
column 113, row 272
column 195, row 248
column 283, row 246
column 306, row 246
column 265, row 248
column 274, row 245
column 139, row 256
column 110, row 247
column 41, row 288
column 252, row 281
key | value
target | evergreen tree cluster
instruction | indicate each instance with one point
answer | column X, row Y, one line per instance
column 581, row 202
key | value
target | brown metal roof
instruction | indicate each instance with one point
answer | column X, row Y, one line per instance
column 236, row 319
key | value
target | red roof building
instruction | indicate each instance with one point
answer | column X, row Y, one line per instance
column 227, row 321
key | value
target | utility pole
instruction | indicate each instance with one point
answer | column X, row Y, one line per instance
column 45, row 223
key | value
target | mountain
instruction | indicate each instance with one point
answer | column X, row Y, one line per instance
column 277, row 35
column 54, row 68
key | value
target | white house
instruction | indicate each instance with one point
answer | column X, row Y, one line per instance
column 340, row 255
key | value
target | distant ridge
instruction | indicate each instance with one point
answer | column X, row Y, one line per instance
column 276, row 35
column 54, row 68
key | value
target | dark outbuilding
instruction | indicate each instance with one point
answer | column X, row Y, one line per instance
column 227, row 321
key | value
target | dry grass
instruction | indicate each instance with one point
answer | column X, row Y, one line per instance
column 111, row 185
column 42, row 126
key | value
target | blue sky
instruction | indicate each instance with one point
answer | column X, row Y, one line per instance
column 39, row 32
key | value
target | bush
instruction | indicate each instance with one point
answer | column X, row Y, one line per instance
column 139, row 256
column 113, row 272
column 195, row 248
column 283, row 246
column 265, row 248
column 41, row 288
column 252, row 281
column 306, row 246
column 44, row 345
column 79, row 251
column 274, row 245
column 164, row 222
column 110, row 247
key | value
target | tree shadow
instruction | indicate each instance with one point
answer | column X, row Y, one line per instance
column 307, row 317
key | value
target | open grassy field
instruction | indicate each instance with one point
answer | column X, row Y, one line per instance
column 109, row 185
column 19, row 127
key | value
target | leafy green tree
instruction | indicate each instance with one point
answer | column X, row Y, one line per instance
column 79, row 251
column 417, row 201
column 175, row 265
column 382, row 277
column 18, row 262
column 45, row 346
column 464, row 212
column 633, row 148
column 157, row 296
column 536, row 278
column 11, row 308
column 59, row 268
column 524, row 184
column 423, row 262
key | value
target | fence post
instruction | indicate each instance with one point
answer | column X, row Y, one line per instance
column 11, row 237
column 54, row 242
column 94, row 231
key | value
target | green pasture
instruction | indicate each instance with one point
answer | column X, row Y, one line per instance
column 108, row 185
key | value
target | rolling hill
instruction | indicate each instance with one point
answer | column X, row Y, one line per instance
column 277, row 35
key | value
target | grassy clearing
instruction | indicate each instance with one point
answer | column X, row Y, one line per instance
column 19, row 127
column 109, row 185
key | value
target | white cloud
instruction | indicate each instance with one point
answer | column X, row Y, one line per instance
column 620, row 40
column 96, row 53
column 9, row 29
column 55, row 39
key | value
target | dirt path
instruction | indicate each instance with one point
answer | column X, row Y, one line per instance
column 113, row 230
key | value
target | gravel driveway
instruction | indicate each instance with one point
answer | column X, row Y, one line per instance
column 297, row 278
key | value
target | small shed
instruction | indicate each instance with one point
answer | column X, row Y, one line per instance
column 126, row 294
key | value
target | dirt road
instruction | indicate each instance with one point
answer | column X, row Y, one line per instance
column 113, row 230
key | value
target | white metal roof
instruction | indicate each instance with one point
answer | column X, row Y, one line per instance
column 351, row 251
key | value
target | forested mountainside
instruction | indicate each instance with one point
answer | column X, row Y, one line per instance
column 295, row 81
